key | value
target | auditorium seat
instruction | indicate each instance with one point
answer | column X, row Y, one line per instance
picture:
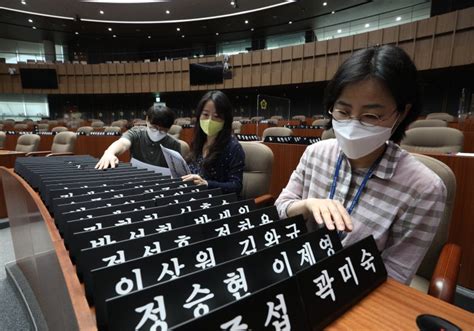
column 436, row 140
column 438, row 272
column 175, row 131
column 257, row 170
column 320, row 122
column 139, row 123
column 85, row 129
column 276, row 117
column 43, row 127
column 97, row 124
column 182, row 121
column 53, row 123
column 185, row 150
column 3, row 136
column 237, row 118
column 278, row 132
column 21, row 126
column 236, row 126
column 112, row 129
column 273, row 121
column 428, row 123
column 256, row 119
column 63, row 144
column 440, row 116
column 328, row 134
column 59, row 129
column 27, row 143
column 1, row 126
column 118, row 123
column 301, row 118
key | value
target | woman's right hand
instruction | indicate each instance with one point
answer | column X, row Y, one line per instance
column 107, row 160
column 329, row 212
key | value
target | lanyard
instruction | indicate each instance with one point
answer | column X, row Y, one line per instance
column 359, row 191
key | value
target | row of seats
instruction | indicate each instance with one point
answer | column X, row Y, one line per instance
column 63, row 144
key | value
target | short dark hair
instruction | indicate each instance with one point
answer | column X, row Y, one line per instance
column 391, row 66
column 161, row 116
column 224, row 110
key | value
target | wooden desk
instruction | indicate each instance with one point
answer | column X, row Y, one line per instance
column 286, row 158
column 187, row 135
column 393, row 306
column 7, row 158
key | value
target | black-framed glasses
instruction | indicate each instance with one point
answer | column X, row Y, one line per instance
column 366, row 119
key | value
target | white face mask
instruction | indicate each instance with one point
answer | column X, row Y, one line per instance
column 154, row 134
column 357, row 140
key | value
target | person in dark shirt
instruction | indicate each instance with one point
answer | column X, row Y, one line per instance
column 217, row 159
column 144, row 142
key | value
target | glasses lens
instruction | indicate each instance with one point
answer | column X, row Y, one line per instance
column 340, row 115
column 369, row 119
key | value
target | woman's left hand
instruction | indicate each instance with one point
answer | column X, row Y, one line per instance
column 198, row 180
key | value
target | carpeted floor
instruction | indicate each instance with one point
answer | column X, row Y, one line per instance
column 13, row 314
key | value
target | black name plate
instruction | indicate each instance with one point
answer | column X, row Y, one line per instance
column 196, row 294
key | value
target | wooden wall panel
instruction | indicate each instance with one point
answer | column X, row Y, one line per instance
column 286, row 72
column 437, row 42
column 333, row 46
column 96, row 84
column 247, row 74
column 257, row 75
column 266, row 56
column 426, row 28
column 237, row 78
column 465, row 18
column 423, row 53
column 276, row 73
column 122, row 84
column 320, row 68
column 390, row 35
column 442, row 51
column 347, row 43
column 266, row 74
column 361, row 40
column 463, row 50
column 309, row 49
column 297, row 71
column 446, row 22
column 332, row 65
column 407, row 31
column 286, row 53
column 375, row 37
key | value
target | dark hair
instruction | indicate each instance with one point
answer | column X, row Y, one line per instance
column 224, row 110
column 391, row 66
column 161, row 115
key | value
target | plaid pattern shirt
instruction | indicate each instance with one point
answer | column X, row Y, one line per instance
column 401, row 206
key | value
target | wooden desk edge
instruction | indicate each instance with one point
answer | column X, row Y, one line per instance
column 85, row 315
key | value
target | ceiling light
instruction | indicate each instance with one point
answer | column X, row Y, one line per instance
column 30, row 20
column 232, row 3
column 325, row 3
column 178, row 29
column 333, row 12
column 76, row 33
column 110, row 29
column 167, row 12
column 367, row 25
column 101, row 12
column 34, row 28
column 252, row 29
column 290, row 22
column 149, row 37
column 23, row 2
column 217, row 33
column 398, row 18
column 182, row 36
column 339, row 30
column 246, row 22
column 115, row 36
